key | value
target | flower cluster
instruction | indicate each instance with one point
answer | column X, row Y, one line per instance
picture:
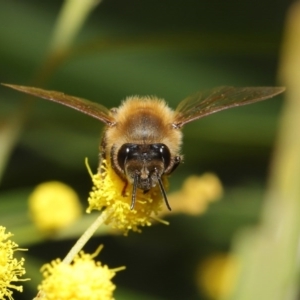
column 196, row 194
column 53, row 205
column 11, row 269
column 84, row 279
column 107, row 193
column 217, row 275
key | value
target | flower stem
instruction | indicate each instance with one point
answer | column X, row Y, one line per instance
column 85, row 237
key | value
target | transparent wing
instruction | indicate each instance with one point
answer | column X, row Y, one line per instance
column 205, row 103
column 92, row 109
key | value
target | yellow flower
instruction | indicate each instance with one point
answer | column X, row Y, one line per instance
column 217, row 275
column 84, row 279
column 54, row 205
column 196, row 194
column 10, row 268
column 107, row 192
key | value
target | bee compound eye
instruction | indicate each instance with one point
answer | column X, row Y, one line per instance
column 127, row 151
column 166, row 155
column 162, row 152
column 122, row 155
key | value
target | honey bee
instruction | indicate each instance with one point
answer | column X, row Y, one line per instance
column 142, row 137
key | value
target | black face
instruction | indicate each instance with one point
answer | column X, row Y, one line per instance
column 144, row 162
column 144, row 165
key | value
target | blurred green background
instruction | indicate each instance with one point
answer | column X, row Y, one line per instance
column 170, row 49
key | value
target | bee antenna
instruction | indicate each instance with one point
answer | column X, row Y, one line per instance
column 162, row 189
column 134, row 191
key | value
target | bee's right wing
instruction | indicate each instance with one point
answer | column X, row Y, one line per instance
column 208, row 102
column 90, row 108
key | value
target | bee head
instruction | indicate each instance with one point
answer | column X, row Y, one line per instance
column 143, row 165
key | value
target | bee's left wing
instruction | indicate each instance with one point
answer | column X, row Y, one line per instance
column 90, row 108
column 203, row 104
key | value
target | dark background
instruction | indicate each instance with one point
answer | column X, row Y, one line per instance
column 170, row 49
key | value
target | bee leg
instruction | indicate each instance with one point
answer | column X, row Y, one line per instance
column 134, row 191
column 163, row 192
column 124, row 189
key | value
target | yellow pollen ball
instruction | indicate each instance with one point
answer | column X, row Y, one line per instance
column 10, row 268
column 54, row 205
column 217, row 275
column 107, row 193
column 84, row 279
